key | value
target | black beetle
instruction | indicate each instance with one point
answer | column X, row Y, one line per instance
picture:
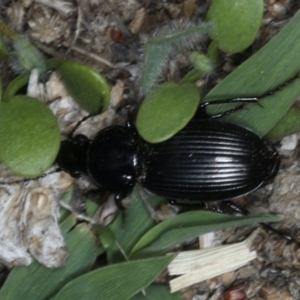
column 208, row 160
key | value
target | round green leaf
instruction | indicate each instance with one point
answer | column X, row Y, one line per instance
column 87, row 87
column 29, row 136
column 166, row 111
column 14, row 86
column 235, row 23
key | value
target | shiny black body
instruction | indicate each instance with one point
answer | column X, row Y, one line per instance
column 208, row 160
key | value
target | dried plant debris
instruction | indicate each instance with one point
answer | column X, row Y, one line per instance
column 62, row 6
column 48, row 26
column 29, row 221
column 200, row 265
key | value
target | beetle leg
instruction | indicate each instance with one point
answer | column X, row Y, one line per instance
column 123, row 194
column 251, row 99
column 188, row 206
column 245, row 212
column 70, row 136
column 58, row 169
column 131, row 127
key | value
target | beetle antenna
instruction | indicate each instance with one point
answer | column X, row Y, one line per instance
column 279, row 88
column 246, row 99
column 29, row 179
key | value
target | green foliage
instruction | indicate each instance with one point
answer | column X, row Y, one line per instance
column 88, row 88
column 131, row 225
column 28, row 56
column 201, row 62
column 166, row 235
column 136, row 233
column 119, row 281
column 235, row 23
column 288, row 125
column 29, row 133
column 14, row 86
column 166, row 111
column 28, row 146
column 270, row 67
column 157, row 50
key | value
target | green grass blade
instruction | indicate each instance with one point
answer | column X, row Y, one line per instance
column 131, row 225
column 115, row 282
column 273, row 65
column 164, row 236
column 288, row 125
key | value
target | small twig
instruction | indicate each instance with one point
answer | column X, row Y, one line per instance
column 122, row 250
column 149, row 207
column 29, row 179
column 77, row 215
column 92, row 56
column 77, row 31
column 57, row 54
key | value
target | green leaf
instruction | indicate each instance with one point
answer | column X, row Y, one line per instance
column 157, row 292
column 54, row 63
column 288, row 125
column 29, row 136
column 88, row 88
column 213, row 52
column 119, row 281
column 104, row 234
column 235, row 23
column 131, row 225
column 164, row 236
column 201, row 62
column 68, row 223
column 193, row 76
column 14, row 86
column 38, row 282
column 270, row 67
column 29, row 57
column 166, row 111
column 66, row 198
column 91, row 207
column 157, row 50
